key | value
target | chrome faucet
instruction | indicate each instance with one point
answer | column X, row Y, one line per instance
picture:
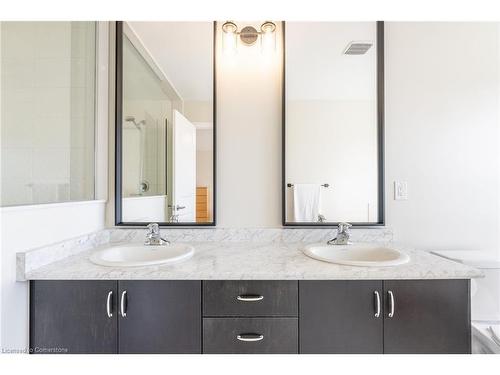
column 343, row 235
column 153, row 236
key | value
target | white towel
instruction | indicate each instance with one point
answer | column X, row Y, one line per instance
column 306, row 202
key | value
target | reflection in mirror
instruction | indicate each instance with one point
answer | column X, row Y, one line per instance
column 167, row 126
column 333, row 170
column 47, row 112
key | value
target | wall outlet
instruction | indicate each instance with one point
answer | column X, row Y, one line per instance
column 400, row 190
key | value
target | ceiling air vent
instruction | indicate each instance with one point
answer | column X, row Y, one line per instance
column 357, row 48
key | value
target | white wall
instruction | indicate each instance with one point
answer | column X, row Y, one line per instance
column 249, row 136
column 442, row 133
column 28, row 227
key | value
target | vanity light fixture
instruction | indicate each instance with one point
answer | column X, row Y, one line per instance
column 248, row 36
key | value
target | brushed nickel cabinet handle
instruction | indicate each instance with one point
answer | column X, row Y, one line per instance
column 250, row 298
column 250, row 337
column 391, row 304
column 123, row 311
column 108, row 304
column 377, row 304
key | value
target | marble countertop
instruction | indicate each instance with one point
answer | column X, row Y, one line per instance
column 251, row 260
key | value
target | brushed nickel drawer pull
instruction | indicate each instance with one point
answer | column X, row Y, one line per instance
column 108, row 304
column 250, row 298
column 250, row 337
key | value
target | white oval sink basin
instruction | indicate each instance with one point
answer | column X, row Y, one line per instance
column 359, row 254
column 140, row 255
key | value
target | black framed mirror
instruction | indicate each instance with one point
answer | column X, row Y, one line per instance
column 165, row 125
column 333, row 124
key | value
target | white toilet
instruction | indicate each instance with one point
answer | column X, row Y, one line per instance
column 485, row 295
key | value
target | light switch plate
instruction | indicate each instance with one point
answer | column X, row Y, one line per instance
column 400, row 190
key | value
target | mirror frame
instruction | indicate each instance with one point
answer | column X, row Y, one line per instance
column 119, row 135
column 380, row 139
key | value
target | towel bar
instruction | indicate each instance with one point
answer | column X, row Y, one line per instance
column 324, row 185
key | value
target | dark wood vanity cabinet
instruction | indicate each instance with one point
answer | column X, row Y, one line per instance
column 415, row 316
column 334, row 316
column 115, row 316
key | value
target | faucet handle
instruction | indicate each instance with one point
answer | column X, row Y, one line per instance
column 344, row 227
column 153, row 228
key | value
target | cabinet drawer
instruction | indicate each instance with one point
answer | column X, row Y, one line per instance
column 250, row 298
column 250, row 335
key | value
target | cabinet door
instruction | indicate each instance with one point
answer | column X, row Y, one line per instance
column 70, row 316
column 430, row 316
column 339, row 317
column 161, row 316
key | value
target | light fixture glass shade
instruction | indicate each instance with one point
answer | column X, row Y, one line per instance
column 268, row 37
column 229, row 38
